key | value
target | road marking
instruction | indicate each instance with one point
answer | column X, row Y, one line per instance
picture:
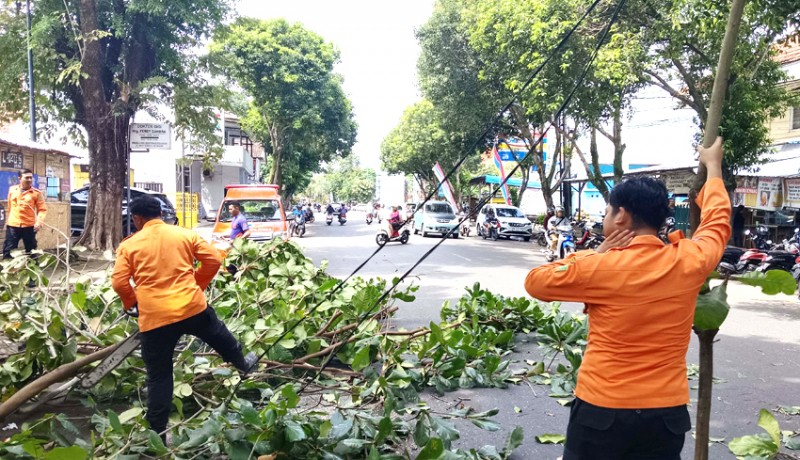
column 462, row 257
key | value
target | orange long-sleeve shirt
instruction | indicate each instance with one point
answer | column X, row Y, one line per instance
column 160, row 259
column 640, row 300
column 25, row 207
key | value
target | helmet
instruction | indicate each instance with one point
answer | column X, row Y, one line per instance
column 559, row 208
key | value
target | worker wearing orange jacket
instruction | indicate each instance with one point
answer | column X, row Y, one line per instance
column 168, row 300
column 640, row 296
column 26, row 213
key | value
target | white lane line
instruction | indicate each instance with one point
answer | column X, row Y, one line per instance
column 462, row 257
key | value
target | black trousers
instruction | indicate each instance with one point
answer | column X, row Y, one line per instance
column 599, row 433
column 13, row 235
column 158, row 346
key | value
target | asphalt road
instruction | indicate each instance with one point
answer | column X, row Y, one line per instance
column 757, row 355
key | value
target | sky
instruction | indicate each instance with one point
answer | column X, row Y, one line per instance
column 378, row 61
column 378, row 55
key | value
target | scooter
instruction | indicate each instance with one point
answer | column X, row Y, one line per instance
column 466, row 227
column 490, row 229
column 369, row 218
column 589, row 239
column 309, row 216
column 565, row 245
column 342, row 218
column 329, row 218
column 299, row 227
column 402, row 234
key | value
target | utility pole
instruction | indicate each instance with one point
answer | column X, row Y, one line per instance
column 32, row 101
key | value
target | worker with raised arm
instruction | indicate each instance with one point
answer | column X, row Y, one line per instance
column 632, row 391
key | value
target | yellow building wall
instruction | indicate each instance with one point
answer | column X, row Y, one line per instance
column 780, row 129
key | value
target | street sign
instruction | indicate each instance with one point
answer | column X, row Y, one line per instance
column 151, row 136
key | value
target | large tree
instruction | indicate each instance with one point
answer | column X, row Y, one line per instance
column 345, row 181
column 418, row 142
column 298, row 109
column 97, row 62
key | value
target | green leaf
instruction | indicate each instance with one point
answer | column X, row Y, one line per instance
column 155, row 443
column 752, row 445
column 290, row 396
column 205, row 433
column 551, row 439
column 66, row 453
column 767, row 421
column 514, row 440
column 130, row 414
column 771, row 283
column 113, row 420
column 711, row 309
column 486, row 424
column 361, row 359
column 294, row 431
column 433, row 450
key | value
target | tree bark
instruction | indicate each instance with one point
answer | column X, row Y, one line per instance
column 596, row 176
column 107, row 130
column 277, row 151
column 706, row 339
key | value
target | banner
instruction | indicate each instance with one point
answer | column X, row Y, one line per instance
column 769, row 194
column 679, row 183
column 791, row 193
column 445, row 186
column 746, row 191
column 499, row 164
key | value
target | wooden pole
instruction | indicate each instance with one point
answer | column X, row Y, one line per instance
column 709, row 136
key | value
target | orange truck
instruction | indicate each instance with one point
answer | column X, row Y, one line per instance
column 260, row 204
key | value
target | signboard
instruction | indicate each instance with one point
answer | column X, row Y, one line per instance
column 151, row 136
column 746, row 185
column 791, row 193
column 769, row 194
column 13, row 160
column 679, row 183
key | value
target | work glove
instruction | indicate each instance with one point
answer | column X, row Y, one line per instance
column 133, row 312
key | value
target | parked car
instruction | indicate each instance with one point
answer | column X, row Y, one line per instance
column 79, row 200
column 411, row 208
column 436, row 217
column 512, row 221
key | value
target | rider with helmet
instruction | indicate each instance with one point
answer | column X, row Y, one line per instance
column 552, row 227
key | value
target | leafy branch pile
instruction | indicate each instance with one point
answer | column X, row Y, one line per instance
column 334, row 382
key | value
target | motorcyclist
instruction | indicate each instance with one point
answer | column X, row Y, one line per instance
column 552, row 227
column 491, row 218
column 329, row 210
column 395, row 221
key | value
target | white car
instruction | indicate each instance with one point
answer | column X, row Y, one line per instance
column 512, row 221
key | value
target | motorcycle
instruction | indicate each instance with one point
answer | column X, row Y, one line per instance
column 369, row 218
column 782, row 259
column 402, row 234
column 589, row 239
column 759, row 237
column 309, row 216
column 299, row 226
column 466, row 226
column 329, row 218
column 565, row 244
column 490, row 229
column 342, row 218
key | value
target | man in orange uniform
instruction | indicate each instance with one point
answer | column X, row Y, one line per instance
column 26, row 213
column 640, row 295
column 169, row 300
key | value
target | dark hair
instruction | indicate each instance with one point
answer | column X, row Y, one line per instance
column 644, row 198
column 146, row 206
column 25, row 171
column 236, row 204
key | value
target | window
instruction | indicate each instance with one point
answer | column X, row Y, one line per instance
column 796, row 117
column 439, row 208
column 53, row 187
column 509, row 212
column 254, row 210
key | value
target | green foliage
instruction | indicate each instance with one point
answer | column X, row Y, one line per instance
column 345, row 181
column 298, row 108
column 712, row 308
column 759, row 446
column 771, row 283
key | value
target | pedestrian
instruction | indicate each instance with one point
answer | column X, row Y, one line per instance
column 640, row 294
column 239, row 226
column 169, row 301
column 26, row 213
column 738, row 226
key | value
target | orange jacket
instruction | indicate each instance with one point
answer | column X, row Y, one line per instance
column 640, row 300
column 25, row 207
column 160, row 259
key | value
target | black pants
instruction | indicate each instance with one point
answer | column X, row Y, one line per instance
column 738, row 237
column 598, row 433
column 13, row 235
column 158, row 346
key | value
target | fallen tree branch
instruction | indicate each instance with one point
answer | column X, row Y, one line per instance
column 59, row 374
column 324, row 328
column 383, row 312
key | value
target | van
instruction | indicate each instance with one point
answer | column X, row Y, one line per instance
column 260, row 204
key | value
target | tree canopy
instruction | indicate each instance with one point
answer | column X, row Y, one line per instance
column 96, row 63
column 298, row 108
column 343, row 181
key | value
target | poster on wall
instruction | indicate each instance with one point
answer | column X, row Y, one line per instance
column 746, row 191
column 679, row 183
column 791, row 193
column 769, row 194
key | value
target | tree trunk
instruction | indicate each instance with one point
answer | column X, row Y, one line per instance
column 106, row 127
column 108, row 139
column 277, row 151
column 596, row 176
column 706, row 339
column 619, row 147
